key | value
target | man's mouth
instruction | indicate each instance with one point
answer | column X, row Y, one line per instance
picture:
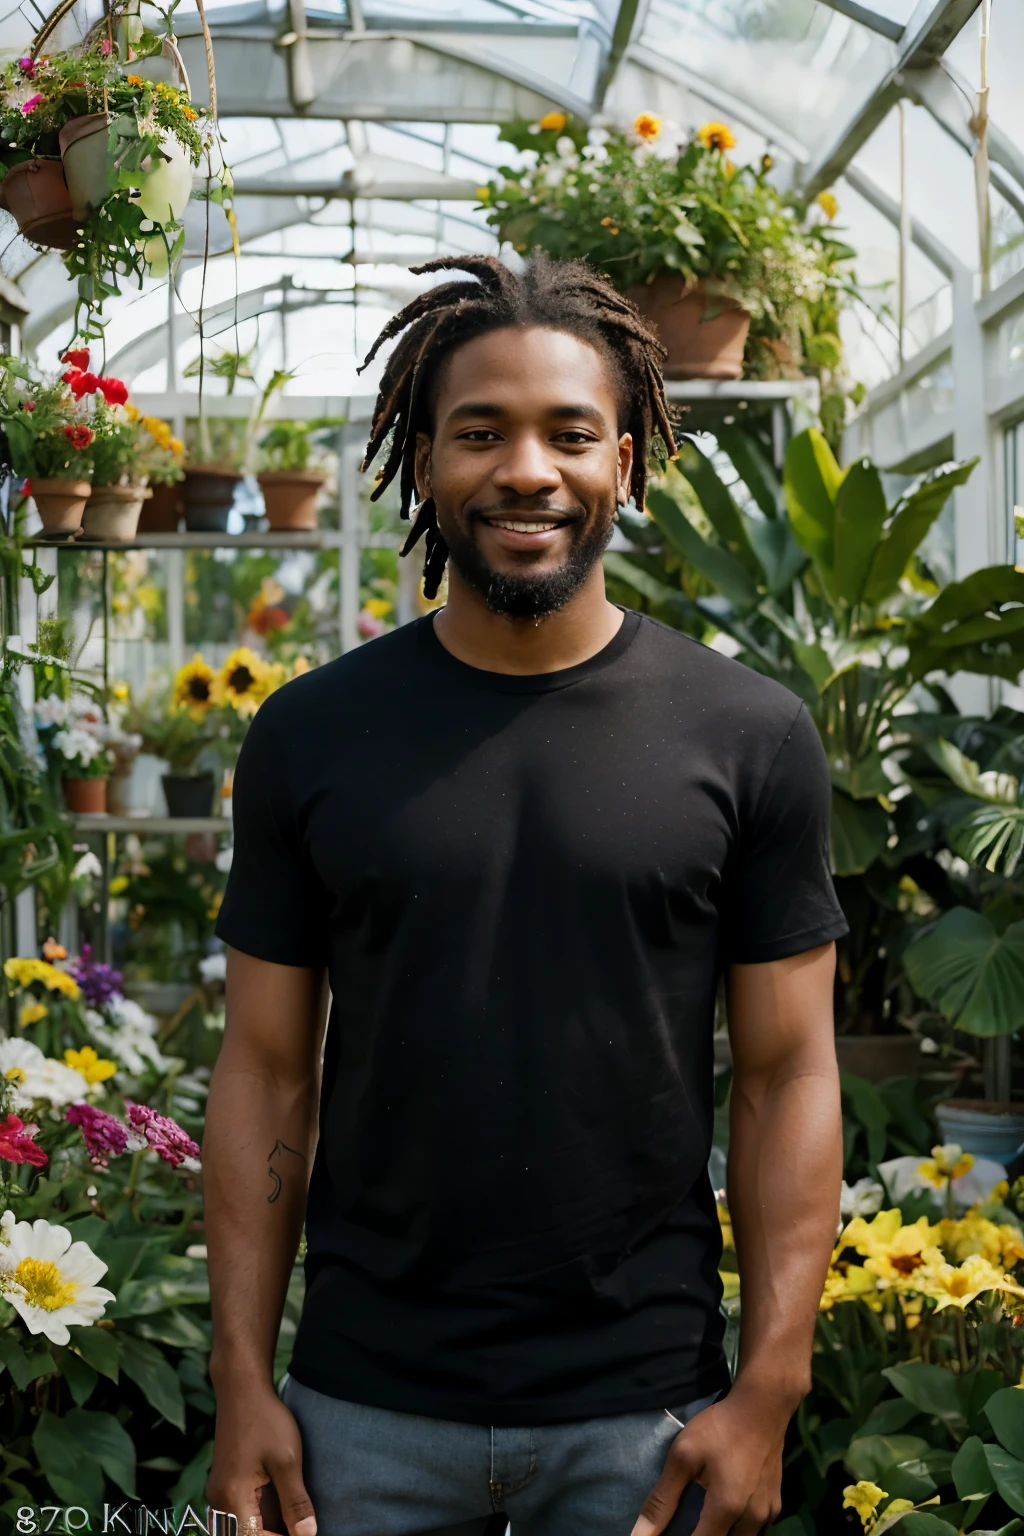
column 523, row 525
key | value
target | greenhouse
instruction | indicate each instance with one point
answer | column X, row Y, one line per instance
column 539, row 878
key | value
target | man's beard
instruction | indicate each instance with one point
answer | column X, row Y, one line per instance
column 526, row 596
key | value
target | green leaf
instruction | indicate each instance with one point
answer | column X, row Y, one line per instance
column 151, row 1371
column 811, row 482
column 871, row 1456
column 780, row 555
column 98, row 1347
column 107, row 1442
column 27, row 1366
column 757, row 474
column 867, row 1104
column 70, row 1469
column 1008, row 1473
column 972, row 973
column 81, row 1378
column 1005, row 1411
column 191, row 1485
column 895, row 1413
column 918, row 1524
column 860, row 830
column 993, row 835
column 915, row 514
column 726, row 573
column 860, row 514
column 723, row 513
column 971, row 1475
column 931, row 1389
column 657, row 592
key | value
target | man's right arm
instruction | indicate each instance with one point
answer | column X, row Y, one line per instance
column 261, row 1128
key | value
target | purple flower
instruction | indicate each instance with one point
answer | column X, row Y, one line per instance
column 99, row 982
column 31, row 104
column 104, row 1135
column 27, row 65
column 163, row 1135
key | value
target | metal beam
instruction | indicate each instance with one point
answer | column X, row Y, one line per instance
column 950, row 99
column 350, row 187
column 629, row 24
column 883, row 25
column 929, row 32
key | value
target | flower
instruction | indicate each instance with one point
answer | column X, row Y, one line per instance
column 87, row 867
column 28, row 405
column 164, row 1135
column 98, row 981
column 81, row 383
column 483, row 194
column 79, row 436
column 134, row 79
column 34, row 1076
column 380, row 607
column 49, row 1280
column 50, row 710
column 31, row 104
column 23, row 972
column 828, row 204
column 369, row 625
column 113, row 391
column 105, row 46
column 716, row 136
column 76, row 357
column 176, row 446
column 553, row 122
column 95, row 1069
column 952, row 1285
column 947, row 1162
column 31, row 1013
column 75, row 745
column 27, row 65
column 864, row 1498
column 54, row 951
column 239, row 680
column 647, row 126
column 104, row 1135
column 194, row 687
column 127, row 1032
column 17, row 1145
column 264, row 619
column 861, row 1199
column 158, row 430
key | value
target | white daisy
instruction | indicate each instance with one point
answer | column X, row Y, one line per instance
column 50, row 1280
column 20, row 1064
column 57, row 1083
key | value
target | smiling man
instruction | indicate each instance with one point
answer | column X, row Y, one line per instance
column 520, row 841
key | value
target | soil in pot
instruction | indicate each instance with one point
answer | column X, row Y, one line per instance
column 207, row 494
column 83, row 149
column 698, row 348
column 61, row 503
column 162, row 512
column 86, row 797
column 290, row 497
column 188, row 794
column 982, row 1126
column 35, row 192
column 112, row 512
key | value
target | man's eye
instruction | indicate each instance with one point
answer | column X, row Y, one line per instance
column 572, row 436
column 479, row 435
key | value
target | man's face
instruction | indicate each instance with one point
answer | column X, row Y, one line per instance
column 526, row 466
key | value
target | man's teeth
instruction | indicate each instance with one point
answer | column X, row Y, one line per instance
column 514, row 527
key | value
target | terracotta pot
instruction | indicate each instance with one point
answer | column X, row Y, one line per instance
column 119, row 799
column 697, row 348
column 290, row 497
column 162, row 512
column 112, row 512
column 83, row 149
column 208, row 491
column 188, row 794
column 86, row 797
column 982, row 1127
column 36, row 193
column 878, row 1057
column 60, row 503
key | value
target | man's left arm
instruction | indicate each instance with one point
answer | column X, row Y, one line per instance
column 785, row 1167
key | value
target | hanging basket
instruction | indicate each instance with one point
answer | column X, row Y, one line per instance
column 83, row 149
column 698, row 348
column 35, row 192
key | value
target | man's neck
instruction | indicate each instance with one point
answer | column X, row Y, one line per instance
column 472, row 633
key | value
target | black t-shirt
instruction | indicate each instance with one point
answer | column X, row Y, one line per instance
column 524, row 889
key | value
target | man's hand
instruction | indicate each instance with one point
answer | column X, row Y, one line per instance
column 734, row 1450
column 257, row 1443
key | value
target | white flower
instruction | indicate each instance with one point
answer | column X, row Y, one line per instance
column 50, row 1280
column 77, row 746
column 565, row 148
column 35, row 1076
column 87, row 865
column 214, row 967
column 903, row 1174
column 127, row 1033
column 863, row 1199
column 58, row 1084
column 224, row 857
column 50, row 711
column 554, row 173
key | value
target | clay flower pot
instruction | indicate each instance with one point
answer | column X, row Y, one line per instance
column 112, row 512
column 86, row 797
column 290, row 497
column 698, row 348
column 83, row 149
column 35, row 192
column 207, row 494
column 161, row 513
column 60, row 503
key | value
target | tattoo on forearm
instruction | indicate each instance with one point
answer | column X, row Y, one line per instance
column 275, row 1177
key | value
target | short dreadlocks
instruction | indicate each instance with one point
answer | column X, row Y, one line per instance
column 567, row 296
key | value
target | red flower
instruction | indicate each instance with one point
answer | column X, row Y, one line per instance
column 114, row 392
column 264, row 620
column 79, row 436
column 77, row 357
column 82, row 383
column 28, row 405
column 17, row 1145
column 26, row 487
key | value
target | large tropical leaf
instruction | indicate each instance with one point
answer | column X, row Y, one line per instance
column 993, row 836
column 973, row 974
column 723, row 514
column 914, row 515
column 811, row 482
column 717, row 564
column 860, row 829
column 974, row 625
column 860, row 514
column 757, row 474
column 656, row 591
column 780, row 555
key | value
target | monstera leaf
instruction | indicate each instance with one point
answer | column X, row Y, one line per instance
column 973, row 974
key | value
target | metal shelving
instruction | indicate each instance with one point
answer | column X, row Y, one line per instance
column 182, row 825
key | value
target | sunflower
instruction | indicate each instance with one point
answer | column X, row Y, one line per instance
column 194, row 687
column 647, row 126
column 240, row 680
column 716, row 136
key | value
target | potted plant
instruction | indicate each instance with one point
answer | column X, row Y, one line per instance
column 214, row 470
column 290, row 487
column 85, row 768
column 175, row 728
column 708, row 250
column 48, row 442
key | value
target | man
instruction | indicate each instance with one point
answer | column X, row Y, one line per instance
column 521, row 840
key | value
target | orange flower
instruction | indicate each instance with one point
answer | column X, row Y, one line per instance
column 134, row 79
column 647, row 126
column 716, row 136
column 553, row 122
column 53, row 951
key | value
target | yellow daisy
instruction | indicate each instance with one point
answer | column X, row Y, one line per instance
column 716, row 136
column 31, row 1014
column 553, row 122
column 93, row 1067
column 647, row 126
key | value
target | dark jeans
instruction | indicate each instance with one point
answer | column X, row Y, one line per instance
column 374, row 1472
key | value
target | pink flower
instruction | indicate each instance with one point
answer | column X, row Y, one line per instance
column 17, row 1144
column 27, row 65
column 104, row 1135
column 369, row 626
column 105, row 46
column 163, row 1134
column 28, row 106
column 28, row 405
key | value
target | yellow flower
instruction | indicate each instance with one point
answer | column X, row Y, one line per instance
column 158, row 430
column 730, row 1284
column 190, row 113
column 119, row 885
column 23, row 972
column 828, row 204
column 31, row 1014
column 176, row 446
column 380, row 607
column 120, row 691
column 132, row 412
column 92, row 1066
column 553, row 122
column 951, row 1285
column 947, row 1162
column 194, row 687
column 895, row 1263
column 716, row 136
column 864, row 1498
column 301, row 666
column 483, row 194
column 274, row 674
column 240, row 680
column 647, row 126
column 874, row 1236
column 14, row 1075
column 214, row 907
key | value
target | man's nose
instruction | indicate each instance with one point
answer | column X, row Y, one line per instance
column 527, row 467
